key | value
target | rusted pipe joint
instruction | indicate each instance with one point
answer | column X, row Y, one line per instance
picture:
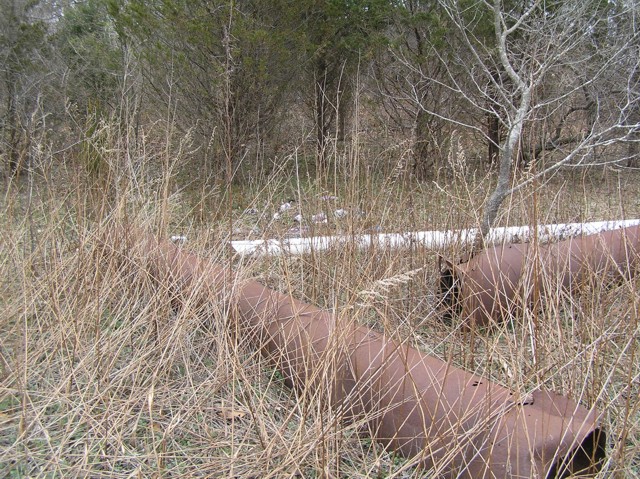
column 495, row 284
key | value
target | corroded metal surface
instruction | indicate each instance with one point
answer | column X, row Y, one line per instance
column 495, row 284
column 455, row 423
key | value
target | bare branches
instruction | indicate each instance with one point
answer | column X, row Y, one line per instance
column 562, row 77
column 502, row 32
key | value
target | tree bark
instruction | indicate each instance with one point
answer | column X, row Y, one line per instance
column 493, row 136
column 507, row 155
column 12, row 130
column 323, row 115
column 509, row 148
column 422, row 162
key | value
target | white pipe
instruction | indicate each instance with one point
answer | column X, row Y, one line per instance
column 425, row 239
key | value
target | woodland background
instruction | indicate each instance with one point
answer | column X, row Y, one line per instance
column 200, row 119
column 244, row 84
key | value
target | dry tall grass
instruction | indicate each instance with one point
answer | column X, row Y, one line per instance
column 102, row 376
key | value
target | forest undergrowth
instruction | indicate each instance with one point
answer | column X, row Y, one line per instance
column 103, row 376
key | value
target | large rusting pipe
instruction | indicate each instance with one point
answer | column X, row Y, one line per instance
column 496, row 283
column 456, row 423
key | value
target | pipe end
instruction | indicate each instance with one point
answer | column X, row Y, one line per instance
column 585, row 460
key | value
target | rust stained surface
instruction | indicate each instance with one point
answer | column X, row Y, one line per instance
column 496, row 283
column 456, row 423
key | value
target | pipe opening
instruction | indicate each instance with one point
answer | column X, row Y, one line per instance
column 585, row 460
column 449, row 294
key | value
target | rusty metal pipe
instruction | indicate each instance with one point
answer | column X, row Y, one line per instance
column 495, row 284
column 456, row 423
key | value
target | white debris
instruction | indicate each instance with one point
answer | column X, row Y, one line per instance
column 298, row 218
column 276, row 216
column 251, row 211
column 285, row 207
column 319, row 218
column 179, row 239
column 340, row 213
column 297, row 231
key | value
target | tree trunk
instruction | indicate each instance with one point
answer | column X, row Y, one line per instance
column 493, row 120
column 632, row 150
column 322, row 117
column 493, row 136
column 422, row 163
column 345, row 98
column 507, row 155
column 12, row 128
column 509, row 148
column 633, row 146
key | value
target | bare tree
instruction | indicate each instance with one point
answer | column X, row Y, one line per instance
column 223, row 68
column 338, row 36
column 410, row 83
column 21, row 39
column 551, row 70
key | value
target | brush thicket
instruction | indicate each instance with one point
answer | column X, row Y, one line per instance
column 107, row 372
